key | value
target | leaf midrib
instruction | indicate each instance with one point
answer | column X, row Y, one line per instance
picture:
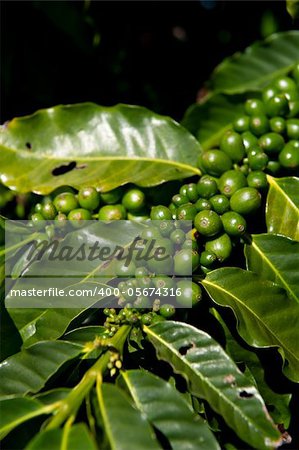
column 102, row 158
column 105, row 416
column 204, row 379
column 43, row 410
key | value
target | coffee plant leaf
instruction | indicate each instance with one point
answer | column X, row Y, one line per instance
column 293, row 8
column 275, row 258
column 124, row 426
column 84, row 334
column 279, row 403
column 266, row 316
column 75, row 437
column 38, row 324
column 258, row 65
column 168, row 411
column 212, row 375
column 208, row 120
column 88, row 144
column 29, row 370
column 10, row 338
column 15, row 411
column 52, row 396
column 282, row 208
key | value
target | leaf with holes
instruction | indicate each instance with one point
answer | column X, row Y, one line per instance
column 125, row 427
column 208, row 121
column 167, row 410
column 275, row 258
column 257, row 65
column 213, row 376
column 266, row 316
column 88, row 144
column 282, row 208
column 278, row 403
column 29, row 370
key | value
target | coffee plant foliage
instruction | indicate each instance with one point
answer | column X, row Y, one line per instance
column 221, row 375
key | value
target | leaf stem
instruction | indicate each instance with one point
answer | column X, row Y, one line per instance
column 73, row 401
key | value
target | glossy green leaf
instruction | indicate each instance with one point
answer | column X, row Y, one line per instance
column 282, row 208
column 15, row 411
column 86, row 143
column 266, row 316
column 257, row 65
column 208, row 121
column 46, row 440
column 39, row 324
column 213, row 376
column 275, row 258
column 166, row 409
column 279, row 403
column 293, row 8
column 125, row 427
column 76, row 437
column 28, row 370
column 52, row 396
column 10, row 339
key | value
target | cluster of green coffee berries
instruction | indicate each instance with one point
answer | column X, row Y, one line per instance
column 133, row 316
column 219, row 209
column 149, row 286
column 264, row 140
column 138, row 316
column 88, row 204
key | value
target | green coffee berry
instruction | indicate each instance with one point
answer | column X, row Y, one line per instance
column 220, row 203
column 112, row 197
column 160, row 212
column 216, row 162
column 245, row 200
column 134, row 200
column 220, row 246
column 241, row 124
column 254, row 107
column 271, row 142
column 206, row 187
column 65, row 202
column 231, row 181
column 208, row 223
column 89, row 198
column 112, row 212
column 257, row 179
column 232, row 144
column 233, row 223
column 202, row 204
column 259, row 125
column 186, row 212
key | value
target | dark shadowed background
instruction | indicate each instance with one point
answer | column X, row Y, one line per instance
column 156, row 54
